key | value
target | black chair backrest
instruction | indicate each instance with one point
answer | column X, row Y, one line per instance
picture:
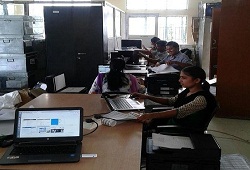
column 188, row 52
column 210, row 117
column 178, row 129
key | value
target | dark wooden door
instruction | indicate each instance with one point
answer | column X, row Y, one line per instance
column 233, row 78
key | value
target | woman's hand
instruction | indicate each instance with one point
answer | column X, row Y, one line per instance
column 139, row 95
column 172, row 62
column 145, row 118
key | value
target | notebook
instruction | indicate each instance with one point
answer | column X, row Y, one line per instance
column 123, row 103
column 46, row 135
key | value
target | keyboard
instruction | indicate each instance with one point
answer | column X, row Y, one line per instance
column 120, row 103
column 43, row 149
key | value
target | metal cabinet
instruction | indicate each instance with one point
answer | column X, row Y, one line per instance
column 76, row 42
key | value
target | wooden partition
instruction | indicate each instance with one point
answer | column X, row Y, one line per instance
column 233, row 72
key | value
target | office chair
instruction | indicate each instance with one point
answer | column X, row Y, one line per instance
column 188, row 52
column 178, row 129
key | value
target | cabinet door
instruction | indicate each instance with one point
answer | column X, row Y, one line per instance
column 58, row 20
column 77, row 48
column 59, row 42
column 88, row 35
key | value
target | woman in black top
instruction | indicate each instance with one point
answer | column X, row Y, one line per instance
column 192, row 107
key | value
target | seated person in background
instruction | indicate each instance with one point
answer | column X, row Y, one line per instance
column 153, row 50
column 176, row 59
column 115, row 80
column 159, row 56
column 192, row 107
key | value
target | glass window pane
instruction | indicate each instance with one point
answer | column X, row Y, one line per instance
column 141, row 25
column 156, row 4
column 173, row 29
column 117, row 23
column 136, row 4
column 1, row 10
column 110, row 22
column 161, row 28
column 15, row 9
column 36, row 10
column 177, row 4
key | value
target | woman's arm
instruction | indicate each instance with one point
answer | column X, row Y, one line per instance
column 95, row 87
column 153, row 98
column 156, row 115
column 196, row 105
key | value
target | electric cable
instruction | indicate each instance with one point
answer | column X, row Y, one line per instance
column 91, row 121
column 237, row 138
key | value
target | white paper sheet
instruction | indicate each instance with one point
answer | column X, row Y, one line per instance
column 7, row 114
column 163, row 68
column 169, row 141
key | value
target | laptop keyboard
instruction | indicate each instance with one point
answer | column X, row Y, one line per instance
column 42, row 149
column 121, row 103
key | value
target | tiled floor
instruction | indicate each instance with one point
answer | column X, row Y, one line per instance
column 233, row 128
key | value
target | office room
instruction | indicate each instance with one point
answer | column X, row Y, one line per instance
column 216, row 31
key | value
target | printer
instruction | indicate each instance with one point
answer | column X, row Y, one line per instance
column 165, row 85
column 205, row 155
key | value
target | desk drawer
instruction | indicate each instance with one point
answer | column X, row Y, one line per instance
column 14, row 44
column 14, row 24
column 18, row 62
column 16, row 80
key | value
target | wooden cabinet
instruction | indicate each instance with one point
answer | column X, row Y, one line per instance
column 233, row 78
column 76, row 42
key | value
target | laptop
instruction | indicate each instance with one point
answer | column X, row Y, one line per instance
column 57, row 84
column 46, row 135
column 60, row 85
column 103, row 68
column 122, row 102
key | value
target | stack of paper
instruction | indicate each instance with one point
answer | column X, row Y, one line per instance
column 163, row 68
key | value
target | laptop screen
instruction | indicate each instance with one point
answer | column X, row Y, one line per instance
column 59, row 82
column 103, row 68
column 48, row 123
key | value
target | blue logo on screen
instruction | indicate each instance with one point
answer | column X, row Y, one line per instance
column 54, row 121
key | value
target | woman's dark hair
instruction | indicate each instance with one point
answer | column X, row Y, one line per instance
column 116, row 78
column 155, row 39
column 197, row 72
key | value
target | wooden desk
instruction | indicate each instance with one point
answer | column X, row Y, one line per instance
column 117, row 147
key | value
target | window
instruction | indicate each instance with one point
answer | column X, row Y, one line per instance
column 173, row 29
column 12, row 9
column 177, row 4
column 141, row 25
column 117, row 23
column 110, row 21
column 156, row 4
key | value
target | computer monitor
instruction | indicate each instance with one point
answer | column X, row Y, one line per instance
column 131, row 44
column 130, row 56
column 103, row 68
